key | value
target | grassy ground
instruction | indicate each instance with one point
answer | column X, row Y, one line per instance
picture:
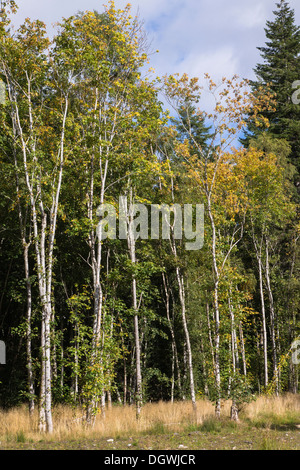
column 266, row 424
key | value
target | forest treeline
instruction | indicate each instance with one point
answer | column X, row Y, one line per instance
column 129, row 320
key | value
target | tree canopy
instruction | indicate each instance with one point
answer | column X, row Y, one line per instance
column 91, row 317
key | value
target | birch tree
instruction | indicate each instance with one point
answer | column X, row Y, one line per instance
column 271, row 207
column 116, row 111
column 212, row 167
column 38, row 109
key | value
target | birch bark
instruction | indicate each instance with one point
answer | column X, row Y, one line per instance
column 44, row 227
column 131, row 246
column 258, row 253
column 272, row 317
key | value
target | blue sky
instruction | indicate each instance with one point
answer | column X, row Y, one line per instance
column 219, row 37
column 193, row 36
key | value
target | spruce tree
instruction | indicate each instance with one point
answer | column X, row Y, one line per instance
column 191, row 126
column 280, row 70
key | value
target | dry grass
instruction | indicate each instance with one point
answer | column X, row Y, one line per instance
column 279, row 406
column 274, row 411
column 121, row 421
column 68, row 422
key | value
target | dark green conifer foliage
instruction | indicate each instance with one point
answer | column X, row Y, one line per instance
column 280, row 70
column 191, row 126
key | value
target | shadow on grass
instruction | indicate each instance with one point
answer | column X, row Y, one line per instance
column 284, row 427
column 277, row 423
column 212, row 425
column 156, row 429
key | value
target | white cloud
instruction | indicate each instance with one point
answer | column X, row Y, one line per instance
column 218, row 63
column 251, row 16
column 193, row 36
column 219, row 37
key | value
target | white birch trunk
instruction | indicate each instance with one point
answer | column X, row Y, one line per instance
column 216, row 314
column 264, row 325
column 30, row 377
column 180, row 282
column 272, row 320
column 131, row 246
column 242, row 342
column 96, row 257
column 44, row 257
column 174, row 347
column 258, row 250
column 26, row 245
column 234, row 413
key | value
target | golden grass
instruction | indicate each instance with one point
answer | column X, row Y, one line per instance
column 121, row 421
column 278, row 406
column 268, row 412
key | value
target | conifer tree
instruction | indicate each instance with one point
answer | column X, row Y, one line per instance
column 191, row 126
column 280, row 70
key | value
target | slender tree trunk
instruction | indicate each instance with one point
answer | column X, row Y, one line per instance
column 43, row 227
column 205, row 376
column 76, row 361
column 62, row 368
column 138, row 361
column 109, row 398
column 124, row 371
column 26, row 245
column 180, row 282
column 272, row 320
column 125, row 383
column 48, row 388
column 179, row 379
column 210, row 336
column 293, row 372
column 174, row 347
column 242, row 342
column 108, row 392
column 103, row 404
column 132, row 377
column 258, row 252
column 235, row 353
column 30, row 376
column 187, row 338
column 96, row 257
column 48, row 270
column 234, row 413
column 216, row 313
column 131, row 246
column 42, row 413
column 264, row 325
